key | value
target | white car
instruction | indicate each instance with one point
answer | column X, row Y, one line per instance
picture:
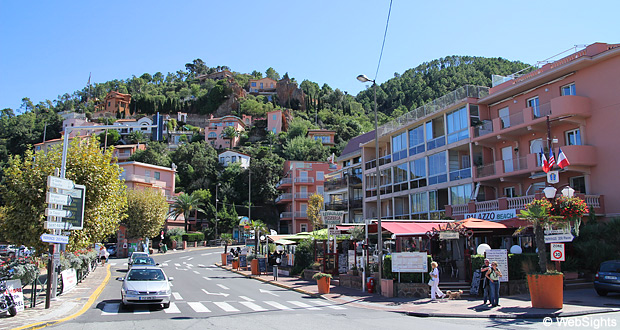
column 133, row 256
column 145, row 285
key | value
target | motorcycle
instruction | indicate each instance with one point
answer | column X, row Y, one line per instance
column 7, row 304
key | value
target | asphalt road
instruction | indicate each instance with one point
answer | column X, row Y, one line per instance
column 205, row 296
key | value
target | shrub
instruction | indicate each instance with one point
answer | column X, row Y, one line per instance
column 175, row 232
column 194, row 237
column 303, row 256
column 319, row 276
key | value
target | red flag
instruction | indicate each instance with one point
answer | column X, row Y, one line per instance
column 545, row 164
column 562, row 160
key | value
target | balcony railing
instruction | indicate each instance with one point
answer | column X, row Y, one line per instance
column 485, row 170
column 302, row 214
column 593, row 201
column 460, row 209
column 303, row 195
column 519, row 203
column 284, row 196
column 485, row 128
column 304, row 180
column 460, row 174
column 285, row 215
column 492, row 205
column 144, row 179
column 285, row 181
column 370, row 164
column 385, row 160
column 436, row 143
column 515, row 164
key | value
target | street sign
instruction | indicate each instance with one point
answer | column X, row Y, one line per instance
column 557, row 252
column 559, row 238
column 334, row 232
column 60, row 183
column 58, row 199
column 57, row 213
column 553, row 177
column 76, row 207
column 58, row 239
column 57, row 225
column 332, row 217
column 445, row 235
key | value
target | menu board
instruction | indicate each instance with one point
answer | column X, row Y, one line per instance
column 501, row 257
column 409, row 262
column 342, row 263
column 262, row 265
column 243, row 260
column 475, row 283
column 229, row 259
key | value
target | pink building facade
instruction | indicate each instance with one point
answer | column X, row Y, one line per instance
column 301, row 180
column 141, row 176
column 215, row 129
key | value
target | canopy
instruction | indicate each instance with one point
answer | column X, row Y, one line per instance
column 473, row 223
column 284, row 242
column 409, row 228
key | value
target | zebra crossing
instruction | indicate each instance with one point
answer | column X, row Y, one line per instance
column 202, row 307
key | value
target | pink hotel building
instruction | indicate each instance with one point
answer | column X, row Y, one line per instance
column 434, row 159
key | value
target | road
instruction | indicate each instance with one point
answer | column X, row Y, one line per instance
column 205, row 296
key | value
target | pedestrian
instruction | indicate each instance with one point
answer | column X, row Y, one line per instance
column 493, row 274
column 103, row 254
column 435, row 292
column 485, row 282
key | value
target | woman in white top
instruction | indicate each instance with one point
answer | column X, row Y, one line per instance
column 435, row 292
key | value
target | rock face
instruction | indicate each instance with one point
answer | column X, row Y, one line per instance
column 232, row 105
column 289, row 95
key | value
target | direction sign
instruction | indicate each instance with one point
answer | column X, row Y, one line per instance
column 57, row 225
column 57, row 213
column 557, row 252
column 78, row 199
column 58, row 199
column 334, row 232
column 60, row 183
column 55, row 239
column 559, row 238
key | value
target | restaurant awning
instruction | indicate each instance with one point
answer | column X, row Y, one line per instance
column 473, row 223
column 409, row 228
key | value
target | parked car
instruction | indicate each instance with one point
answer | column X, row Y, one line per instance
column 8, row 250
column 607, row 279
column 134, row 256
column 111, row 248
column 145, row 285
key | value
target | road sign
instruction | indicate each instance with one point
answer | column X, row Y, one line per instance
column 332, row 217
column 557, row 252
column 78, row 198
column 553, row 177
column 57, row 213
column 58, row 199
column 334, row 232
column 60, row 183
column 55, row 239
column 559, row 238
column 57, row 225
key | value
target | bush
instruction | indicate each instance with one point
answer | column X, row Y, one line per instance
column 303, row 256
column 596, row 243
column 194, row 237
column 404, row 277
column 319, row 276
column 175, row 232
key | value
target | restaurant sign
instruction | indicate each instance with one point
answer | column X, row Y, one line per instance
column 493, row 215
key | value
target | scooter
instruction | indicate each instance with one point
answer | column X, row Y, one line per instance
column 7, row 304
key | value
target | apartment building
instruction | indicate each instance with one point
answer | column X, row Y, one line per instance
column 123, row 152
column 264, row 86
column 301, row 180
column 215, row 129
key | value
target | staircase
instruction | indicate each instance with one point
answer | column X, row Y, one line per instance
column 455, row 286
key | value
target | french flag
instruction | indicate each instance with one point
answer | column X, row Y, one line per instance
column 562, row 160
column 545, row 164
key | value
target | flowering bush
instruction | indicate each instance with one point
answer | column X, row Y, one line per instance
column 24, row 269
column 570, row 209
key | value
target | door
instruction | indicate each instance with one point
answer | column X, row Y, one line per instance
column 507, row 158
column 504, row 115
column 536, row 147
column 533, row 103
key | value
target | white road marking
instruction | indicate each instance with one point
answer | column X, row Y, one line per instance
column 206, row 278
column 216, row 293
column 326, row 304
column 269, row 292
column 304, row 305
column 173, row 309
column 277, row 305
column 167, row 260
column 223, row 287
column 246, row 298
column 252, row 306
column 198, row 307
column 177, row 296
column 113, row 264
column 164, row 264
column 201, row 265
column 196, row 272
column 125, row 264
column 190, row 265
column 110, row 309
column 170, row 283
column 178, row 265
column 141, row 311
column 188, row 259
column 185, row 257
column 225, row 306
column 184, row 262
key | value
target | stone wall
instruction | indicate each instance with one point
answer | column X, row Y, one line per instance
column 411, row 290
column 351, row 281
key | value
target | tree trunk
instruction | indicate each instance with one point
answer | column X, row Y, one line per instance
column 542, row 247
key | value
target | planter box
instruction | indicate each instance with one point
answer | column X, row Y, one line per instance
column 412, row 290
column 224, row 258
column 308, row 273
column 323, row 284
column 546, row 291
column 387, row 288
column 254, row 266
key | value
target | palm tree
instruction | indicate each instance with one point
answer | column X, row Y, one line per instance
column 185, row 204
column 230, row 133
column 258, row 227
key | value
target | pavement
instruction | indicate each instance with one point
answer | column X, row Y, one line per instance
column 576, row 302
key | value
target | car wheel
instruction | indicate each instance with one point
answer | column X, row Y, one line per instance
column 166, row 305
column 601, row 293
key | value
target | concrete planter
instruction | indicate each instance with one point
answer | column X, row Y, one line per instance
column 412, row 290
column 308, row 273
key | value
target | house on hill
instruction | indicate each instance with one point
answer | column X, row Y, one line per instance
column 325, row 136
column 113, row 103
column 228, row 157
column 215, row 76
column 215, row 129
column 264, row 86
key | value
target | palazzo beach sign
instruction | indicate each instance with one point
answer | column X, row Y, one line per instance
column 493, row 215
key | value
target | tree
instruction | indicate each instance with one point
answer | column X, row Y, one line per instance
column 24, row 191
column 258, row 227
column 230, row 133
column 272, row 74
column 147, row 210
column 156, row 153
column 537, row 213
column 137, row 137
column 109, row 137
column 185, row 204
column 197, row 166
column 197, row 67
column 305, row 148
column 315, row 205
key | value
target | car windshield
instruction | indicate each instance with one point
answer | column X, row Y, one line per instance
column 612, row 267
column 146, row 275
column 144, row 261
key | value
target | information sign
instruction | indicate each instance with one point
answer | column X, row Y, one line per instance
column 557, row 252
column 409, row 262
column 58, row 239
column 76, row 207
column 59, row 183
column 501, row 257
column 332, row 217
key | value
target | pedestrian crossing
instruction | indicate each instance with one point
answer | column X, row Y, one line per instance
column 203, row 307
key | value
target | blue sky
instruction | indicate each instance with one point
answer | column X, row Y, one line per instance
column 48, row 48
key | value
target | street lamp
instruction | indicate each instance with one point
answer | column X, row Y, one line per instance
column 363, row 79
column 216, row 200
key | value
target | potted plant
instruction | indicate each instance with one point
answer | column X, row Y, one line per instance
column 252, row 258
column 322, row 281
column 235, row 263
column 546, row 287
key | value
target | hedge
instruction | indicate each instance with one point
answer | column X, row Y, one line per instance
column 194, row 237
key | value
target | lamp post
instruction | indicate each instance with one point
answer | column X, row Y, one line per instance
column 216, row 201
column 363, row 78
column 550, row 192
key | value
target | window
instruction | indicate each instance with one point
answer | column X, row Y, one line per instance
column 274, row 130
column 253, row 84
column 212, row 135
column 303, row 227
column 271, row 85
column 399, row 146
column 579, row 184
column 458, row 128
column 437, row 168
column 109, row 103
column 419, row 205
column 460, row 194
column 504, row 115
column 533, row 103
column 261, row 85
column 417, row 173
column 510, row 192
column 234, row 159
column 536, row 147
column 320, row 176
column 573, row 137
column 274, row 117
column 435, row 132
column 147, row 173
column 568, row 90
column 157, row 175
column 416, row 140
column 222, row 160
column 400, row 173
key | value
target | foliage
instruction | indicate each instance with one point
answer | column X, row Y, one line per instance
column 109, row 137
column 194, row 237
column 305, row 148
column 156, row 153
column 304, row 253
column 404, row 277
column 227, row 237
column 320, row 275
column 24, row 190
column 598, row 242
column 196, row 166
column 358, row 233
column 146, row 213
column 537, row 213
column 137, row 137
column 185, row 204
column 176, row 231
column 315, row 205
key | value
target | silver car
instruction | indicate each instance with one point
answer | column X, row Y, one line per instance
column 134, row 256
column 145, row 285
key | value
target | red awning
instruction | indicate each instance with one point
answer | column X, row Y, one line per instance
column 345, row 227
column 516, row 223
column 409, row 228
column 473, row 223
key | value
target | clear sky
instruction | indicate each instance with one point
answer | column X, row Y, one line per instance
column 48, row 48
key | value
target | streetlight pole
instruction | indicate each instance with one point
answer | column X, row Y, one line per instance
column 216, row 201
column 363, row 78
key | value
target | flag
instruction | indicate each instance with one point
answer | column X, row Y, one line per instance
column 551, row 159
column 562, row 160
column 545, row 164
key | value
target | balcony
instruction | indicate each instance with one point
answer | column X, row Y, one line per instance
column 304, row 180
column 521, row 166
column 286, row 215
column 302, row 215
column 284, row 197
column 581, row 155
column 460, row 174
column 336, row 206
column 285, row 182
column 303, row 195
column 143, row 179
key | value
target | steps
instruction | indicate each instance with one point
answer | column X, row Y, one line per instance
column 455, row 286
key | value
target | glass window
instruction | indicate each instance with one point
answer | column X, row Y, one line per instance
column 458, row 128
column 510, row 192
column 399, row 143
column 460, row 194
column 579, row 184
column 273, row 130
column 320, row 176
column 533, row 103
column 435, row 133
column 504, row 115
column 234, row 159
column 253, row 84
column 212, row 135
column 400, row 173
column 568, row 89
column 416, row 140
column 417, row 173
column 147, row 173
column 157, row 175
column 573, row 137
column 274, row 117
column 437, row 168
column 419, row 203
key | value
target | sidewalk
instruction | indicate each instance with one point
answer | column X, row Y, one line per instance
column 576, row 302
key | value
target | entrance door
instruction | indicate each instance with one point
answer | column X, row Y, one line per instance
column 504, row 115
column 536, row 147
column 507, row 158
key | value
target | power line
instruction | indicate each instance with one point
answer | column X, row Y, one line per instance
column 384, row 37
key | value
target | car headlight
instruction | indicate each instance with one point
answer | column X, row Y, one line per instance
column 132, row 292
column 163, row 292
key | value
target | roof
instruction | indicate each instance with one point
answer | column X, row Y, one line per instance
column 234, row 152
column 473, row 223
column 354, row 143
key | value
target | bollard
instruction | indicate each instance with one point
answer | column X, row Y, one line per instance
column 275, row 272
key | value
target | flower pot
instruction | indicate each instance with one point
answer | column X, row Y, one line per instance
column 235, row 264
column 546, row 291
column 254, row 266
column 323, row 284
column 224, row 258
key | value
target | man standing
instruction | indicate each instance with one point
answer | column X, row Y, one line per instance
column 485, row 282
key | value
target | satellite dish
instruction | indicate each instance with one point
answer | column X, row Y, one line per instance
column 482, row 248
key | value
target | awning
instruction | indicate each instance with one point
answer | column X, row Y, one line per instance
column 473, row 223
column 409, row 228
column 284, row 242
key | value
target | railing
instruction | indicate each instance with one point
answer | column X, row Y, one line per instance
column 385, row 160
column 542, row 110
column 485, row 128
column 284, row 196
column 485, row 170
column 593, row 201
column 142, row 178
column 285, row 181
column 436, row 143
column 286, row 215
column 518, row 203
column 303, row 195
column 512, row 120
column 517, row 164
column 304, row 180
column 301, row 214
column 460, row 209
column 370, row 164
column 460, row 174
column 487, row 206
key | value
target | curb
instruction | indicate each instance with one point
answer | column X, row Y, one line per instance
column 513, row 316
column 86, row 306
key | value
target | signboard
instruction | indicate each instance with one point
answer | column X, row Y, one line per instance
column 57, row 213
column 76, row 207
column 559, row 238
column 475, row 283
column 58, row 239
column 229, row 258
column 445, row 235
column 15, row 288
column 243, row 260
column 262, row 265
column 557, row 252
column 501, row 257
column 351, row 259
column 493, row 215
column 58, row 199
column 553, row 177
column 69, row 279
column 332, row 217
column 342, row 263
column 57, row 225
column 334, row 232
column 59, row 183
column 409, row 262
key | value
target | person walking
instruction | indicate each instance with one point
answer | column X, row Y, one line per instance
column 435, row 292
column 103, row 254
column 485, row 282
column 493, row 274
